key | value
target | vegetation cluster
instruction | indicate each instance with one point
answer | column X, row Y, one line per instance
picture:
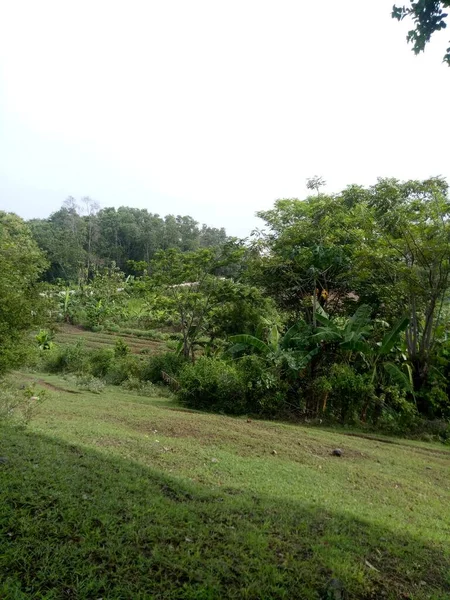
column 337, row 310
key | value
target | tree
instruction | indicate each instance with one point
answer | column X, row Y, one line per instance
column 62, row 237
column 187, row 284
column 90, row 210
column 21, row 264
column 428, row 17
column 306, row 257
column 410, row 247
column 315, row 183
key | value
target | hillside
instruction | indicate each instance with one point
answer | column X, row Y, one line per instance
column 115, row 495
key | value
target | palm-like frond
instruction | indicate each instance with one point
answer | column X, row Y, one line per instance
column 359, row 323
column 391, row 338
column 252, row 341
column 398, row 377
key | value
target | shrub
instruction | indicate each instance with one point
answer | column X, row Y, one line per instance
column 20, row 406
column 145, row 388
column 100, row 361
column 212, row 384
column 172, row 344
column 122, row 369
column 121, row 349
column 146, row 351
column 350, row 392
column 265, row 391
column 67, row 359
column 166, row 362
column 44, row 339
column 90, row 383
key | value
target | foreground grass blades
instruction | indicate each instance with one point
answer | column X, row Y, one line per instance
column 116, row 496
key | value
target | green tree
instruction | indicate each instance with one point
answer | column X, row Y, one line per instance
column 21, row 265
column 187, row 285
column 428, row 17
column 412, row 230
column 305, row 258
column 90, row 209
column 62, row 237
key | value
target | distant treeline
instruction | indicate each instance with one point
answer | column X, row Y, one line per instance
column 80, row 237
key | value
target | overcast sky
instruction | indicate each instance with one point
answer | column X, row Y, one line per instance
column 212, row 109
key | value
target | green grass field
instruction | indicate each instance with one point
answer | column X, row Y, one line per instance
column 118, row 496
column 68, row 335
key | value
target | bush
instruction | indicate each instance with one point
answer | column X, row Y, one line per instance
column 121, row 349
column 20, row 406
column 166, row 362
column 90, row 383
column 122, row 369
column 146, row 388
column 265, row 391
column 67, row 359
column 44, row 339
column 172, row 344
column 213, row 384
column 100, row 361
column 350, row 393
column 393, row 412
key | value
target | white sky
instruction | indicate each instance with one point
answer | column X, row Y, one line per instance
column 213, row 109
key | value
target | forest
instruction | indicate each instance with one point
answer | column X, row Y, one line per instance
column 335, row 310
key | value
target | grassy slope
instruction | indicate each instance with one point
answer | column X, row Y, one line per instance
column 68, row 334
column 118, row 496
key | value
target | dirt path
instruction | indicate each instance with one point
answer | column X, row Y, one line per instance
column 48, row 386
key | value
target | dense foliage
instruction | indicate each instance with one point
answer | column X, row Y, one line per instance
column 21, row 263
column 80, row 238
column 428, row 17
column 337, row 309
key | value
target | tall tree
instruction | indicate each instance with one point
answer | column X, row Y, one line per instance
column 90, row 209
column 62, row 237
column 21, row 265
column 305, row 256
column 411, row 224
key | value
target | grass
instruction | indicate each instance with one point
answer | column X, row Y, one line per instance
column 119, row 496
column 68, row 334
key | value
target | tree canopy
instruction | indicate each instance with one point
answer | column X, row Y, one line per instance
column 79, row 238
column 21, row 265
column 428, row 17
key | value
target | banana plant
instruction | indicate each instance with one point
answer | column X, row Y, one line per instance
column 44, row 339
column 382, row 350
column 352, row 337
column 291, row 347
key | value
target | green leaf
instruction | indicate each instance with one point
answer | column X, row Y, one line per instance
column 391, row 338
column 356, row 346
column 236, row 348
column 321, row 312
column 290, row 334
column 252, row 341
column 359, row 322
column 273, row 338
column 326, row 334
column 398, row 377
column 322, row 318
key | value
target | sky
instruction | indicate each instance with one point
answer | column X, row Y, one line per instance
column 212, row 109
